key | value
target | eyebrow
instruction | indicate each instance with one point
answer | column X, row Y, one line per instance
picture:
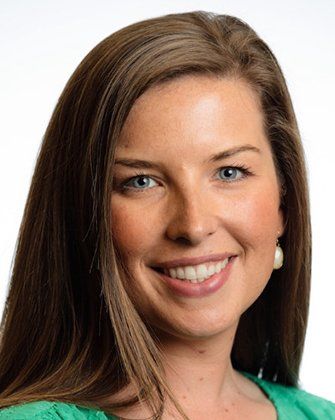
column 138, row 163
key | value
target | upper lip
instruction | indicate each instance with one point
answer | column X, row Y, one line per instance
column 193, row 261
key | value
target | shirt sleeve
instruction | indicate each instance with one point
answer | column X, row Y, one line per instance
column 315, row 407
column 49, row 410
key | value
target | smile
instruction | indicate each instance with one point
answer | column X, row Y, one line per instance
column 198, row 286
column 195, row 273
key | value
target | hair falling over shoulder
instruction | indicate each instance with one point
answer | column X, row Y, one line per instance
column 69, row 331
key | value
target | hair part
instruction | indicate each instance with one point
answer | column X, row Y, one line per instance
column 70, row 332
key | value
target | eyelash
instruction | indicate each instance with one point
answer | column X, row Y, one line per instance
column 122, row 186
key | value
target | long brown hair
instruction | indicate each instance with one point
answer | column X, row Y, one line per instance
column 69, row 330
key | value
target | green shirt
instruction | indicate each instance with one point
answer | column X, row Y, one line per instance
column 291, row 404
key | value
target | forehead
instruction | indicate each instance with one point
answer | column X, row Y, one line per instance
column 194, row 110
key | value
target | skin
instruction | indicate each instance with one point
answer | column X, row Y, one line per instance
column 189, row 208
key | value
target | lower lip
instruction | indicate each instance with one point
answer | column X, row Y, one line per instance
column 207, row 287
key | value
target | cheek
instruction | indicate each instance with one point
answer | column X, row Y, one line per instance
column 257, row 217
column 130, row 228
column 257, row 233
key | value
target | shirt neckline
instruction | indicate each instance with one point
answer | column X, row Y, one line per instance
column 265, row 387
column 261, row 383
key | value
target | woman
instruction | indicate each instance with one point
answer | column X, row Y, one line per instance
column 170, row 298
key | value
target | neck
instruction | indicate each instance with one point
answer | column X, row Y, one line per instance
column 200, row 374
column 200, row 369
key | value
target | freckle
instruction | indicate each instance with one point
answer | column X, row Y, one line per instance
column 184, row 397
column 201, row 379
column 226, row 410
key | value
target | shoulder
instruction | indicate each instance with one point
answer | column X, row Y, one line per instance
column 292, row 402
column 51, row 410
column 310, row 405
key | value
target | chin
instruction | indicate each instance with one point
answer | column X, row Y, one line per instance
column 200, row 329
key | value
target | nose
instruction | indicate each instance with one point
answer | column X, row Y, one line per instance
column 192, row 218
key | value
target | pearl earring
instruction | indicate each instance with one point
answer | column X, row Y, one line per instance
column 279, row 257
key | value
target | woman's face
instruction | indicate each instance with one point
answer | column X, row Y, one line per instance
column 185, row 204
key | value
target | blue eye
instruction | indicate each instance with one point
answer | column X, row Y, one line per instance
column 230, row 172
column 140, row 177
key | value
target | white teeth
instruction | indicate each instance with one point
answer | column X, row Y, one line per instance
column 197, row 273
column 201, row 271
column 224, row 263
column 190, row 273
column 211, row 270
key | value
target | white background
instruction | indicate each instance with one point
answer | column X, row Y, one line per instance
column 42, row 42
